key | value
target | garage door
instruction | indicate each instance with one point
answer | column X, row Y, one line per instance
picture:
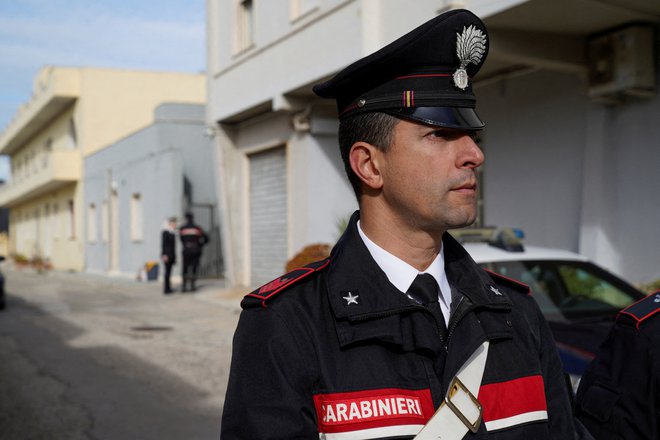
column 268, row 215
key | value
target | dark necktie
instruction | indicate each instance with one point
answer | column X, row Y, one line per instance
column 425, row 289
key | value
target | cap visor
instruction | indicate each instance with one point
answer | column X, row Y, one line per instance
column 449, row 117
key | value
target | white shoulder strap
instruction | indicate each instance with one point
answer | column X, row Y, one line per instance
column 461, row 411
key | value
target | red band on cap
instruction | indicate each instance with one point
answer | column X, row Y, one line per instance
column 425, row 75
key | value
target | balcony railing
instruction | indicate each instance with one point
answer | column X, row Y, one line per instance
column 59, row 169
column 59, row 88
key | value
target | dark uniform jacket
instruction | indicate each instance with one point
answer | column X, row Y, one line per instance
column 168, row 245
column 335, row 348
column 619, row 394
column 193, row 238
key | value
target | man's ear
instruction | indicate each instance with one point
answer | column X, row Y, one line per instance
column 365, row 162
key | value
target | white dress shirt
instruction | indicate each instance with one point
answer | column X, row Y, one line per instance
column 402, row 274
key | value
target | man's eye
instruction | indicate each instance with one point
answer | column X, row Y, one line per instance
column 442, row 134
column 452, row 135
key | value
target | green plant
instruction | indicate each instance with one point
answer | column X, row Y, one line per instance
column 20, row 259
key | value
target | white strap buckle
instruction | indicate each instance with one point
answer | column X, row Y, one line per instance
column 464, row 405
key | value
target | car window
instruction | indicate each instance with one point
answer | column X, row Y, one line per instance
column 579, row 282
column 569, row 289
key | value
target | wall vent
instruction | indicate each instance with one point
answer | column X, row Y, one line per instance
column 622, row 64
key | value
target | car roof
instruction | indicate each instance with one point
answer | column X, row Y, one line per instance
column 485, row 253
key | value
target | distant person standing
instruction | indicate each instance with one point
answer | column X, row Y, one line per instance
column 193, row 238
column 168, row 251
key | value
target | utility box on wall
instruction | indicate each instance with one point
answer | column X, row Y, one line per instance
column 622, row 64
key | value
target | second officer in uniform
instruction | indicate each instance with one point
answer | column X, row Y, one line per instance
column 619, row 394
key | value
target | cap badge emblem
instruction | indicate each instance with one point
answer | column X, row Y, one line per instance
column 470, row 48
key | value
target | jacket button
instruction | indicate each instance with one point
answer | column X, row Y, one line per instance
column 508, row 322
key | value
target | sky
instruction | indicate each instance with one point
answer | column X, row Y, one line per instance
column 167, row 35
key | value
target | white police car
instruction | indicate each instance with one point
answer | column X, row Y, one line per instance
column 578, row 298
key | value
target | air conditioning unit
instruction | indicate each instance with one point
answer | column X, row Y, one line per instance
column 622, row 64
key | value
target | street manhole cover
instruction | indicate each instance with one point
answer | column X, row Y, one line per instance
column 151, row 328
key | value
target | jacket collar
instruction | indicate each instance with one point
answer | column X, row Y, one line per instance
column 367, row 306
column 354, row 272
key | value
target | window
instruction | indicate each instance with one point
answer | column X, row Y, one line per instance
column 57, row 221
column 48, row 232
column 70, row 221
column 17, row 169
column 569, row 289
column 105, row 235
column 244, row 25
column 35, row 233
column 300, row 8
column 45, row 155
column 136, row 217
column 91, row 223
column 73, row 137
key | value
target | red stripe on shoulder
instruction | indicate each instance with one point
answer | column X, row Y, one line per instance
column 278, row 285
column 643, row 309
column 510, row 282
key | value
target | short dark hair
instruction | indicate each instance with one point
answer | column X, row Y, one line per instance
column 373, row 128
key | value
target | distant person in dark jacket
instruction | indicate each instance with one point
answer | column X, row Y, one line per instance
column 193, row 238
column 168, row 251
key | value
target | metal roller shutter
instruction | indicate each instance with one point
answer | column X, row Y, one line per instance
column 268, row 215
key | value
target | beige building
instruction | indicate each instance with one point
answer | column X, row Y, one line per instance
column 73, row 113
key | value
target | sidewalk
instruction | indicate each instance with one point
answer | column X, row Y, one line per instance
column 208, row 289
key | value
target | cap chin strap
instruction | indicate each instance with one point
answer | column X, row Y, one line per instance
column 460, row 412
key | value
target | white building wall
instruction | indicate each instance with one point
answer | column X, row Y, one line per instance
column 568, row 171
column 620, row 217
column 264, row 74
column 534, row 147
column 319, row 197
column 331, row 196
column 322, row 198
column 573, row 173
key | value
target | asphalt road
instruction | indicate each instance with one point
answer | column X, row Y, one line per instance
column 85, row 357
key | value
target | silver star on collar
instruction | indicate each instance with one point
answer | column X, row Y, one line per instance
column 495, row 290
column 350, row 299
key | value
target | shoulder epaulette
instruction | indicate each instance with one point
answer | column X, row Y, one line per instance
column 269, row 290
column 510, row 282
column 643, row 309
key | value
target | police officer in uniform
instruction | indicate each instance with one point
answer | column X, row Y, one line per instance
column 168, row 252
column 400, row 334
column 619, row 394
column 193, row 239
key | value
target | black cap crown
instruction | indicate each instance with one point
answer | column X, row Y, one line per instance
column 426, row 75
